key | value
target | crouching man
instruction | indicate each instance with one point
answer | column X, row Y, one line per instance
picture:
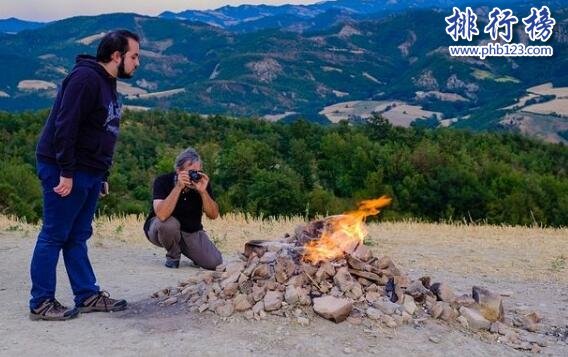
column 174, row 222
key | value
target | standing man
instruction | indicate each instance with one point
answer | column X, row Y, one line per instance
column 74, row 155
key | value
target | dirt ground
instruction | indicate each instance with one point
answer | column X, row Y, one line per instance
column 527, row 264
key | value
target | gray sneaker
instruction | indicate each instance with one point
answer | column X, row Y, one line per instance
column 52, row 310
column 102, row 302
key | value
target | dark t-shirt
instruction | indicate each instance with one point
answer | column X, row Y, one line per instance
column 189, row 206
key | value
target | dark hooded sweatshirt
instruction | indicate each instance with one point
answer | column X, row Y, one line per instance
column 82, row 127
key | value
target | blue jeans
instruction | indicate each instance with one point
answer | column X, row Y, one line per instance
column 66, row 227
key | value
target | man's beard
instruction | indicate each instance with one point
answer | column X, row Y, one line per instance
column 121, row 72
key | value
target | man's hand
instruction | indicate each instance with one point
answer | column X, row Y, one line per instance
column 201, row 185
column 65, row 186
column 104, row 189
column 183, row 180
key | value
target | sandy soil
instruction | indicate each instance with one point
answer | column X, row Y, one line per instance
column 530, row 264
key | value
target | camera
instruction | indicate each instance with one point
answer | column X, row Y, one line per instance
column 194, row 175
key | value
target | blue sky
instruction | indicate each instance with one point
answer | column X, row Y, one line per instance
column 48, row 10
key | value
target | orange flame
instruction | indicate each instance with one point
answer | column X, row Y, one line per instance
column 343, row 232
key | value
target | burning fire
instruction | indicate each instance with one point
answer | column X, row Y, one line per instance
column 343, row 232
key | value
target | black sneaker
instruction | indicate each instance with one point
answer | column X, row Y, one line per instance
column 52, row 310
column 102, row 302
column 171, row 263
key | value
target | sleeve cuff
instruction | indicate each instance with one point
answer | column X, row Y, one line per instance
column 67, row 173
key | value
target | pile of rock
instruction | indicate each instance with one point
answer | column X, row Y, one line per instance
column 272, row 278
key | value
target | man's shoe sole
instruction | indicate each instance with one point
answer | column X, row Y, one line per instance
column 37, row 317
column 86, row 310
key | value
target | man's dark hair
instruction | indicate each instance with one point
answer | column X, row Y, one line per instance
column 114, row 41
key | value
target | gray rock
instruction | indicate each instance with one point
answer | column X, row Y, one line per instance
column 258, row 307
column 475, row 319
column 343, row 279
column 409, row 305
column 387, row 307
column 272, row 300
column 374, row 314
column 362, row 253
column 490, row 304
column 292, row 294
column 258, row 292
column 225, row 310
column 443, row 292
column 241, row 303
column 332, row 308
column 268, row 257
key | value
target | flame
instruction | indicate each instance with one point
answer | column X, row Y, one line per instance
column 343, row 232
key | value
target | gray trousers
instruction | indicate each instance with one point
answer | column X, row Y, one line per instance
column 196, row 246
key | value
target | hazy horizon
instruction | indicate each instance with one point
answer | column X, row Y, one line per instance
column 51, row 10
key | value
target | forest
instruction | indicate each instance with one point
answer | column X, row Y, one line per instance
column 266, row 169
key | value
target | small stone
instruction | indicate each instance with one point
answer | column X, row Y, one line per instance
column 272, row 300
column 528, row 322
column 297, row 280
column 388, row 321
column 356, row 291
column 232, row 268
column 241, row 303
column 367, row 275
column 465, row 300
column 253, row 262
column 409, row 305
column 364, row 282
column 258, row 292
column 203, row 308
column 386, row 306
column 417, row 290
column 372, row 296
column 242, row 279
column 354, row 320
column 463, row 321
column 343, row 279
column 284, row 268
column 384, row 262
column 258, row 307
column 169, row 301
column 448, row 313
column 501, row 328
column 434, row 339
column 303, row 321
column 347, row 350
column 225, row 310
column 362, row 253
column 372, row 288
column 475, row 320
column 231, row 279
column 402, row 281
column 490, row 304
column 443, row 292
column 230, row 290
column 249, row 315
column 326, row 270
column 332, row 308
column 262, row 271
column 406, row 318
column 374, row 314
column 292, row 295
column 268, row 257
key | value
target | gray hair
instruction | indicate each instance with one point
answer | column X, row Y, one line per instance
column 188, row 155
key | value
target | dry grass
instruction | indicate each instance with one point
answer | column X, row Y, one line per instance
column 519, row 253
